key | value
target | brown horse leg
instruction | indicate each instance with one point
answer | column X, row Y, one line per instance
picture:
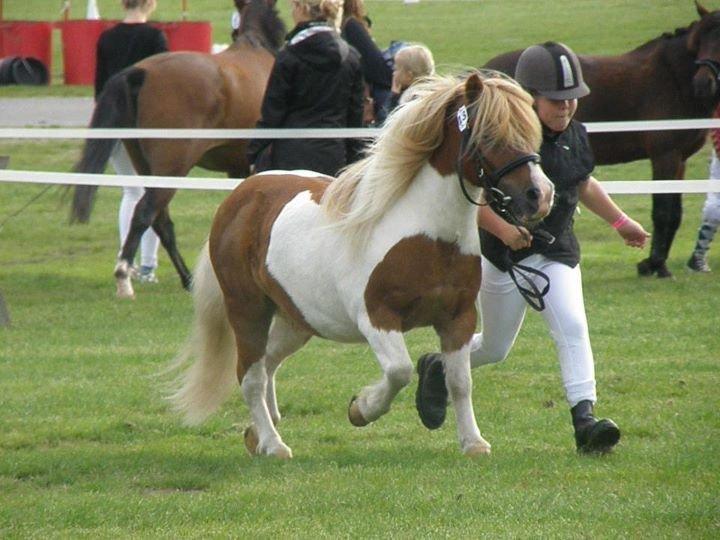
column 165, row 229
column 666, row 216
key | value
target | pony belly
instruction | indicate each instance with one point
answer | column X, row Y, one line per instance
column 307, row 260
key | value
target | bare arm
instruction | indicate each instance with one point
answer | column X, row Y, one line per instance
column 596, row 199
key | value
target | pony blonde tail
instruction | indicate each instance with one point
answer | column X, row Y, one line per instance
column 209, row 356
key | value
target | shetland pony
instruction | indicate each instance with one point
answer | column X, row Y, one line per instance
column 391, row 245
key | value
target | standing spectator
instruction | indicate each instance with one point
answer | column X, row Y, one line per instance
column 119, row 47
column 711, row 211
column 355, row 29
column 412, row 62
column 316, row 82
column 551, row 73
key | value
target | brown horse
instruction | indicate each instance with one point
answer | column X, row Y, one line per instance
column 672, row 76
column 389, row 246
column 182, row 90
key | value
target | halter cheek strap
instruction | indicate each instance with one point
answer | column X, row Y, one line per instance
column 713, row 65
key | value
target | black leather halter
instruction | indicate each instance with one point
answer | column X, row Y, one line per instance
column 489, row 180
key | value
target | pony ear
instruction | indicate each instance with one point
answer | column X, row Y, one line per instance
column 701, row 10
column 473, row 88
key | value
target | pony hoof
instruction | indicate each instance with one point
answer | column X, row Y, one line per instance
column 124, row 289
column 251, row 440
column 478, row 449
column 354, row 415
column 282, row 452
column 123, row 281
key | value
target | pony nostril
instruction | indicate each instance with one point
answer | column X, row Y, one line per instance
column 533, row 194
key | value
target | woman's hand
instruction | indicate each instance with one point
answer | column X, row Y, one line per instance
column 633, row 233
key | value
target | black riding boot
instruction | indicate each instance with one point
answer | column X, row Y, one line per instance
column 593, row 435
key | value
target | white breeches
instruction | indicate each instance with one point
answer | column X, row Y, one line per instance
column 131, row 195
column 711, row 209
column 503, row 309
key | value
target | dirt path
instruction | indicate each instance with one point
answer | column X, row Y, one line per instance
column 66, row 112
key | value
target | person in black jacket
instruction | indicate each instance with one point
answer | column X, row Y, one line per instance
column 551, row 72
column 121, row 46
column 316, row 82
column 355, row 29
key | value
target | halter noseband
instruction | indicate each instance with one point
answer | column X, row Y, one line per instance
column 500, row 203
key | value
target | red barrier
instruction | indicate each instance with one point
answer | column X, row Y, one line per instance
column 188, row 35
column 79, row 39
column 27, row 39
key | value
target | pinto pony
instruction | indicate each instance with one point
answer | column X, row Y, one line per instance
column 673, row 76
column 391, row 245
column 181, row 90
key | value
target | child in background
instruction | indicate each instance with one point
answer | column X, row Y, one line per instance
column 411, row 63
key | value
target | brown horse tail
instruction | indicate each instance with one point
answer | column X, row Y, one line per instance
column 115, row 108
column 209, row 357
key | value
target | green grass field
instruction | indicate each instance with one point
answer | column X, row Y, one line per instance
column 88, row 448
column 459, row 32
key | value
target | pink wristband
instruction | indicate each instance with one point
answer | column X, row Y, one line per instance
column 619, row 222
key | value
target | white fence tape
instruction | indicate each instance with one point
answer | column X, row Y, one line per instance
column 618, row 186
column 319, row 133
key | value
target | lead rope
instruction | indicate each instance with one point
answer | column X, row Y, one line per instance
column 500, row 203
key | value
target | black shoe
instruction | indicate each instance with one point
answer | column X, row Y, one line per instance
column 431, row 397
column 663, row 272
column 593, row 436
column 645, row 268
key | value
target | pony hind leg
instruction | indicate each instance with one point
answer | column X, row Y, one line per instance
column 250, row 317
column 283, row 340
column 392, row 355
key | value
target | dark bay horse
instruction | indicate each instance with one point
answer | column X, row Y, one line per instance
column 182, row 90
column 389, row 246
column 672, row 76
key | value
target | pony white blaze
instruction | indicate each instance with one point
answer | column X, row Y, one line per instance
column 389, row 246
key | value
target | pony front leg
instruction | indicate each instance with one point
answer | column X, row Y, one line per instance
column 392, row 355
column 261, row 438
column 459, row 384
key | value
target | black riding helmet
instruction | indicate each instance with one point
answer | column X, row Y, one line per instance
column 551, row 70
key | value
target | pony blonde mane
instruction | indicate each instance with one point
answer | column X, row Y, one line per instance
column 366, row 190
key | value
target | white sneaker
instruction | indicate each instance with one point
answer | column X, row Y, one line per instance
column 147, row 275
